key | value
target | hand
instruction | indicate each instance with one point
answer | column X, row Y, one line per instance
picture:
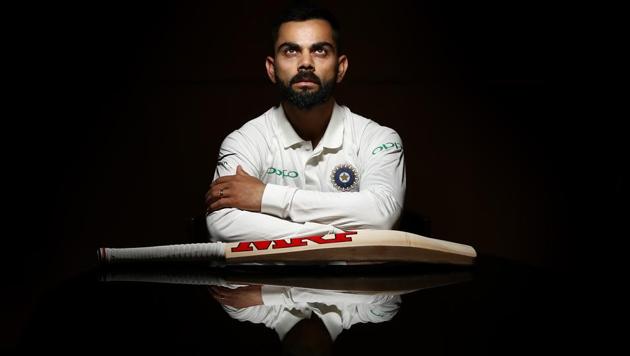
column 241, row 297
column 240, row 191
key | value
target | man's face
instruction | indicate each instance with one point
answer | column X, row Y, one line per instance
column 306, row 65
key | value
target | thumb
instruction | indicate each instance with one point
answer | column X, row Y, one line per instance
column 240, row 171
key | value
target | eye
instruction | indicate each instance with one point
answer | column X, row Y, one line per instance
column 320, row 51
column 290, row 51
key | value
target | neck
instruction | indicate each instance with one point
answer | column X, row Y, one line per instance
column 310, row 124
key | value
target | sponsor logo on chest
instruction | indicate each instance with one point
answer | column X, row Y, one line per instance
column 282, row 172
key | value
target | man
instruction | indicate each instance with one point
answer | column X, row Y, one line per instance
column 308, row 166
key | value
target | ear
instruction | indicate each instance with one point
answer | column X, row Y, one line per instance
column 271, row 71
column 342, row 67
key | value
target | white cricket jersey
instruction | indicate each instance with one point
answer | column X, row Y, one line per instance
column 353, row 179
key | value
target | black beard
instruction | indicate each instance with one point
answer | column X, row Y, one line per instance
column 304, row 99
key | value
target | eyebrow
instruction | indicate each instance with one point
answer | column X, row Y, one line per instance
column 316, row 45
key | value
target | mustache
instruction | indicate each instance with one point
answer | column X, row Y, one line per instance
column 305, row 77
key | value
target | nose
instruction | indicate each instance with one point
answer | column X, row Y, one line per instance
column 306, row 62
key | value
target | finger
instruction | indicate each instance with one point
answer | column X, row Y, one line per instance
column 210, row 194
column 215, row 191
column 219, row 299
column 223, row 179
column 220, row 204
column 241, row 171
column 218, row 291
column 219, row 180
column 210, row 203
column 211, row 197
column 211, row 189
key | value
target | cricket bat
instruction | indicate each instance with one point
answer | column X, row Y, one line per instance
column 361, row 246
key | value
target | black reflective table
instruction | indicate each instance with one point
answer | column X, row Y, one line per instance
column 494, row 307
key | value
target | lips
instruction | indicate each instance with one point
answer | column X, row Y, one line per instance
column 305, row 84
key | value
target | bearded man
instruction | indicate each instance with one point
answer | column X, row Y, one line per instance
column 308, row 166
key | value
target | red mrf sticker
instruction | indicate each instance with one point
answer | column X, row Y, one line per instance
column 247, row 246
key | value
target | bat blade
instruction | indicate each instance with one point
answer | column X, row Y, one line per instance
column 362, row 246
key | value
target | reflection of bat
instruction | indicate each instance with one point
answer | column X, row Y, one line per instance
column 333, row 278
column 363, row 246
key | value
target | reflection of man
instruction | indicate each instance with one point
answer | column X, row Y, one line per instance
column 282, row 308
column 308, row 166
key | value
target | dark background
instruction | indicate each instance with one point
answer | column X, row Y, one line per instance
column 121, row 110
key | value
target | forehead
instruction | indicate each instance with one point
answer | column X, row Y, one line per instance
column 305, row 33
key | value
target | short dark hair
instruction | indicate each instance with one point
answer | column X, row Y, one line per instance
column 302, row 11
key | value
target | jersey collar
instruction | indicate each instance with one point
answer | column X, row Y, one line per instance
column 333, row 137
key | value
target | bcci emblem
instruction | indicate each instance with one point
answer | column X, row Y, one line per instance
column 344, row 177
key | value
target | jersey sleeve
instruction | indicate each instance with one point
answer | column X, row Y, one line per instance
column 377, row 204
column 230, row 224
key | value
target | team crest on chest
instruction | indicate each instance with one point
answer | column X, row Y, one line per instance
column 344, row 177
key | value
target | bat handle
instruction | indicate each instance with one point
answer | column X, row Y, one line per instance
column 201, row 252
